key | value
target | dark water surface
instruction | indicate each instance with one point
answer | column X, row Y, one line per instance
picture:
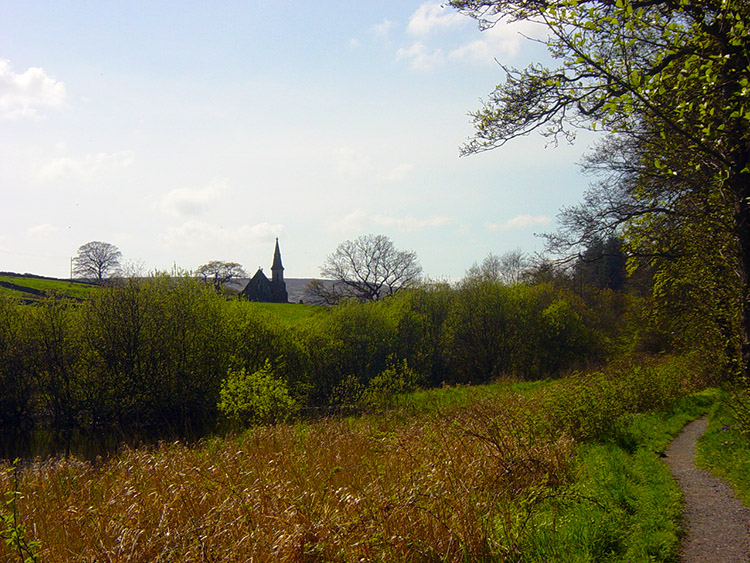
column 87, row 444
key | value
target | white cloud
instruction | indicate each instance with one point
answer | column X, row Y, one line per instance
column 431, row 16
column 382, row 29
column 397, row 173
column 186, row 201
column 21, row 95
column 519, row 222
column 358, row 221
column 44, row 230
column 86, row 166
column 206, row 236
column 421, row 56
column 503, row 40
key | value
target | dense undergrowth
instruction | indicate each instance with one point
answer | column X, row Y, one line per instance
column 563, row 470
column 167, row 352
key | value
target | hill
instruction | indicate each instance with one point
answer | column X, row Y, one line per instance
column 29, row 287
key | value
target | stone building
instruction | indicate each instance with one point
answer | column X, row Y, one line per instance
column 260, row 288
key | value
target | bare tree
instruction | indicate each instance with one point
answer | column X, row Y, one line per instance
column 368, row 268
column 509, row 268
column 220, row 272
column 97, row 260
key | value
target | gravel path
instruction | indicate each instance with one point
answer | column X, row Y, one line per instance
column 718, row 526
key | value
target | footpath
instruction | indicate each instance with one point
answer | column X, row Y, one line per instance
column 717, row 524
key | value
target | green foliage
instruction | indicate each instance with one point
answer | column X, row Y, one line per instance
column 525, row 331
column 622, row 504
column 256, row 398
column 383, row 389
column 16, row 387
column 12, row 532
column 591, row 406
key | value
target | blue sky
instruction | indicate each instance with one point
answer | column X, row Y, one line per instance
column 184, row 132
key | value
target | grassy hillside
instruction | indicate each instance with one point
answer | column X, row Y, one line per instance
column 31, row 288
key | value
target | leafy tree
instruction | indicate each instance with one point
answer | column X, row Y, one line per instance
column 220, row 272
column 97, row 260
column 677, row 70
column 368, row 268
column 256, row 398
column 16, row 357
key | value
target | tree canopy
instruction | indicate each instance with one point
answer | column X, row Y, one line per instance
column 369, row 267
column 669, row 81
column 97, row 260
column 220, row 272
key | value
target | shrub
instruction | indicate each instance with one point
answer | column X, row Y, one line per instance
column 384, row 388
column 256, row 398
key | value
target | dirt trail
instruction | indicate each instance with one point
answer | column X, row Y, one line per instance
column 718, row 526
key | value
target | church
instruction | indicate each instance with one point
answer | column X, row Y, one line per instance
column 261, row 289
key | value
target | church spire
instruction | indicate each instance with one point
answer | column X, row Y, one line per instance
column 277, row 258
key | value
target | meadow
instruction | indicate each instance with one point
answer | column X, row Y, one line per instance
column 557, row 471
column 480, row 422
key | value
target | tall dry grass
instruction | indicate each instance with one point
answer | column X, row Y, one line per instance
column 461, row 484
column 432, row 488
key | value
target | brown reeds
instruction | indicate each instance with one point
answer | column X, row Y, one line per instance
column 449, row 487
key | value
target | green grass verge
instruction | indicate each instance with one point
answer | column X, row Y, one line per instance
column 725, row 451
column 623, row 504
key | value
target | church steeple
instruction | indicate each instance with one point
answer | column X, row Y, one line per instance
column 277, row 270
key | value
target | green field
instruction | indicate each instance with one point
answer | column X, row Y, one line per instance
column 28, row 287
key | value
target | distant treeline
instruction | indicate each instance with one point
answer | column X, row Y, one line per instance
column 155, row 352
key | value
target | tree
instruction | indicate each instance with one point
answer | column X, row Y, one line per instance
column 370, row 267
column 508, row 268
column 676, row 70
column 220, row 272
column 97, row 260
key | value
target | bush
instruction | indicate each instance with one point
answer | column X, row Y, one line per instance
column 256, row 398
column 384, row 388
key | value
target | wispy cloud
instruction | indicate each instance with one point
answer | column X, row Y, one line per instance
column 186, row 201
column 410, row 224
column 350, row 164
column 44, row 230
column 501, row 41
column 209, row 237
column 420, row 56
column 23, row 95
column 397, row 173
column 358, row 221
column 519, row 222
column 432, row 16
column 382, row 29
column 86, row 166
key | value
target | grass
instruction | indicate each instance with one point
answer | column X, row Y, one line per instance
column 725, row 450
column 485, row 475
column 623, row 504
column 77, row 290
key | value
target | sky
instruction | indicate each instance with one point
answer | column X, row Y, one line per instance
column 185, row 132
